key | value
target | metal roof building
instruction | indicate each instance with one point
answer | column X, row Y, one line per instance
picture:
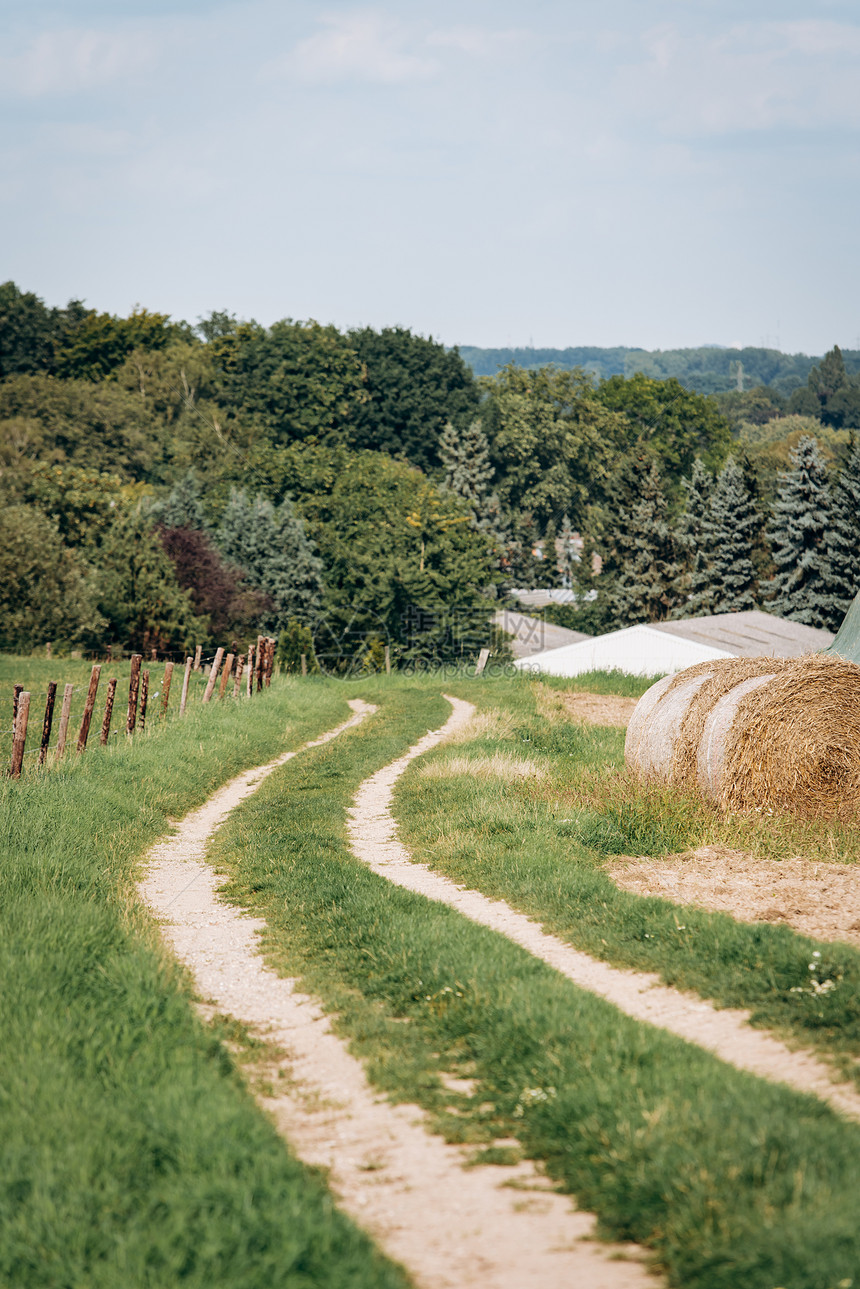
column 660, row 648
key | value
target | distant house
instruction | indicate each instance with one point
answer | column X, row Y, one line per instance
column 664, row 647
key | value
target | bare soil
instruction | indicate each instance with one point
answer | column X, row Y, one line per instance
column 821, row 900
column 591, row 709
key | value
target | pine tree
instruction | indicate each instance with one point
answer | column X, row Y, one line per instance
column 465, row 456
column 183, row 507
column 643, row 560
column 842, row 545
column 799, row 533
column 689, row 534
column 728, row 582
column 270, row 546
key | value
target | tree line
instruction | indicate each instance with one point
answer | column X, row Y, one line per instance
column 164, row 483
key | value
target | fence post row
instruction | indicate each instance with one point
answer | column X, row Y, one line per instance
column 255, row 668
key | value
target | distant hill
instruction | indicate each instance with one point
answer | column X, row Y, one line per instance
column 709, row 369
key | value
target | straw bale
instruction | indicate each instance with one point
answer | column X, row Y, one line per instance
column 711, row 752
column 795, row 742
column 726, row 673
column 657, row 745
column 639, row 720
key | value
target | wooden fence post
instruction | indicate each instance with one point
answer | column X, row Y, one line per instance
column 249, row 679
column 388, row 660
column 260, row 643
column 48, row 721
column 482, row 661
column 106, row 719
column 17, row 691
column 65, row 713
column 19, row 738
column 154, row 655
column 48, row 648
column 168, row 676
column 304, row 664
column 84, row 731
column 197, row 652
column 189, row 663
column 225, row 674
column 144, row 698
column 240, row 665
column 133, row 687
column 213, row 672
column 270, row 661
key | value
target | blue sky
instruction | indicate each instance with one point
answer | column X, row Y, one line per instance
column 661, row 174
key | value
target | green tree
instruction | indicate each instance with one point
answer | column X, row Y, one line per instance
column 138, row 593
column 725, row 580
column 183, row 507
column 643, row 563
column 672, row 423
column 45, row 591
column 82, row 503
column 831, row 393
column 465, row 457
column 799, row 528
column 403, row 561
column 101, row 342
column 842, row 542
column 30, row 333
column 552, row 441
column 414, row 386
column 269, row 544
column 297, row 381
column 83, row 423
column 293, row 642
column 690, row 533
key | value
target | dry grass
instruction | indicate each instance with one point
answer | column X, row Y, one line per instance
column 489, row 724
column 795, row 744
column 501, row 765
column 821, row 900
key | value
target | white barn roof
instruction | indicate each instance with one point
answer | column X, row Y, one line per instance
column 668, row 647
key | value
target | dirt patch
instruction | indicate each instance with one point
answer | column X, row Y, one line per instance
column 819, row 900
column 591, row 709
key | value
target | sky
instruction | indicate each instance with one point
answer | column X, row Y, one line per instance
column 489, row 173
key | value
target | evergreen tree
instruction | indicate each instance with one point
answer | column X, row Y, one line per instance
column 799, row 533
column 183, row 508
column 643, row 559
column 465, row 457
column 689, row 533
column 726, row 578
column 294, row 641
column 270, row 545
column 842, row 545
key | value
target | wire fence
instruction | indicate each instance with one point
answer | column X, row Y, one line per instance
column 76, row 717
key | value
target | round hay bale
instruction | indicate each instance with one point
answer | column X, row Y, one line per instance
column 711, row 752
column 639, row 719
column 648, row 702
column 726, row 673
column 795, row 742
column 660, row 735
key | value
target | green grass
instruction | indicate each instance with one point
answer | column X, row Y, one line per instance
column 731, row 1181
column 131, row 1152
column 542, row 845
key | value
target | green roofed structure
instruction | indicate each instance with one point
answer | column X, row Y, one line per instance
column 847, row 642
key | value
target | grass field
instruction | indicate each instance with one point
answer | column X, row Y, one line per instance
column 729, row 1180
column 132, row 1152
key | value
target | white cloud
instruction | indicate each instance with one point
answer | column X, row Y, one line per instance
column 479, row 42
column 753, row 76
column 62, row 62
column 364, row 45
